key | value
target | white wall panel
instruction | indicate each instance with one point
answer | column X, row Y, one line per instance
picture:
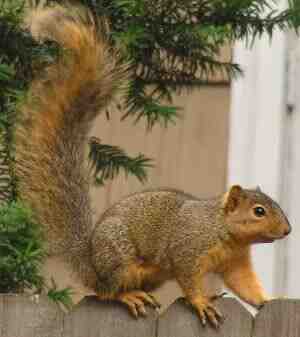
column 256, row 131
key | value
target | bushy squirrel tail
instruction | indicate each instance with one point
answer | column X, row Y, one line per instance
column 55, row 120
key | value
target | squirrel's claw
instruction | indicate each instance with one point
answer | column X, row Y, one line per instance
column 136, row 300
column 212, row 317
column 207, row 311
column 136, row 306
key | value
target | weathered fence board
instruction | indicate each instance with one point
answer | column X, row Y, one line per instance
column 99, row 319
column 20, row 316
column 280, row 318
column 181, row 321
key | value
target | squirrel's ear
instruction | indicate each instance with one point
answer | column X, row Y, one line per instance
column 233, row 198
column 258, row 189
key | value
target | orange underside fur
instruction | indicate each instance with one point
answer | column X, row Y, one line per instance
column 138, row 274
column 231, row 261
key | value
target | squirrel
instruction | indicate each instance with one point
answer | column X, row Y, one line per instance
column 148, row 237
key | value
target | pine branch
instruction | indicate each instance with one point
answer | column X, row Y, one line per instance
column 20, row 56
column 107, row 161
column 173, row 44
column 148, row 106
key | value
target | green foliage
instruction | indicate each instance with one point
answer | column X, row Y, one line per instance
column 21, row 249
column 107, row 161
column 175, row 44
column 60, row 296
column 22, row 253
column 20, row 59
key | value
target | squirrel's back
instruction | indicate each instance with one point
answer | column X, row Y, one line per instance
column 157, row 218
column 55, row 120
column 149, row 204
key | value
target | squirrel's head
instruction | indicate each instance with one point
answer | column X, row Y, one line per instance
column 254, row 217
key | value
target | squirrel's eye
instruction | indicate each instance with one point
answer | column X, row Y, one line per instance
column 259, row 211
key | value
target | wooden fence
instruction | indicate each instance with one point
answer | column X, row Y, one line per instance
column 22, row 317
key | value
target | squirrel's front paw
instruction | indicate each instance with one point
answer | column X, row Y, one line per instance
column 207, row 311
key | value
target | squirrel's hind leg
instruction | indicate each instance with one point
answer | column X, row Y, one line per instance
column 132, row 283
column 121, row 274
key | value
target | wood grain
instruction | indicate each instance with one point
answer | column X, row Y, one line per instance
column 92, row 318
column 21, row 316
column 279, row 318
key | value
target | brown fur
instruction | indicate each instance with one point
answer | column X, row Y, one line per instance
column 143, row 276
column 187, row 238
column 55, row 120
column 148, row 237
